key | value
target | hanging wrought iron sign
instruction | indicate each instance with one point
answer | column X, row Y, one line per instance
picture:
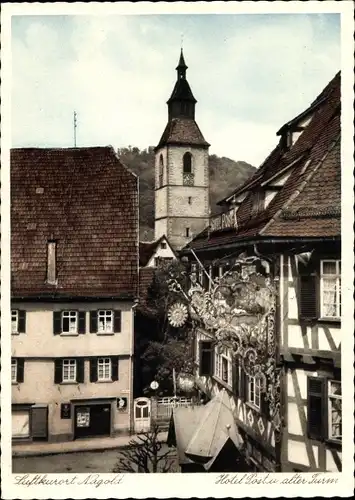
column 238, row 309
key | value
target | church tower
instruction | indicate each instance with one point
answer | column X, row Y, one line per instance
column 181, row 169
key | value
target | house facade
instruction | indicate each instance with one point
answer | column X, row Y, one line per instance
column 74, row 278
column 181, row 169
column 154, row 253
column 283, row 225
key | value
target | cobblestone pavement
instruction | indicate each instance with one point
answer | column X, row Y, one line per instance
column 79, row 462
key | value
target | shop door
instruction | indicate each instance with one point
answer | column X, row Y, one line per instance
column 21, row 424
column 142, row 415
column 93, row 420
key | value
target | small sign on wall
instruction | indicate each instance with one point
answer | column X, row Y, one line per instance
column 65, row 410
column 122, row 404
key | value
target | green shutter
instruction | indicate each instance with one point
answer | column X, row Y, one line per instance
column 20, row 370
column 22, row 321
column 316, row 408
column 243, row 381
column 93, row 321
column 58, row 373
column 235, row 374
column 308, row 296
column 80, row 368
column 117, row 321
column 93, row 370
column 115, row 367
column 82, row 322
column 57, row 322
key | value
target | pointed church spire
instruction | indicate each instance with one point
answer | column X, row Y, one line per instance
column 181, row 102
column 181, row 67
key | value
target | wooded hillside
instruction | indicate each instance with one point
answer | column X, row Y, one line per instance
column 225, row 175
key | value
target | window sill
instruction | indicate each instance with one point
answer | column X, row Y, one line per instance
column 252, row 406
column 334, row 442
column 329, row 320
column 15, row 333
column 108, row 381
column 105, row 333
column 69, row 382
column 63, row 334
column 14, row 383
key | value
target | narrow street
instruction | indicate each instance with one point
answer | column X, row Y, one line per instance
column 79, row 462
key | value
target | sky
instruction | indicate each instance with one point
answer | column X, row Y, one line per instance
column 250, row 74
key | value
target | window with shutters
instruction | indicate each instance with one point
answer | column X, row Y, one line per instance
column 330, row 288
column 13, row 370
column 254, row 391
column 104, row 369
column 105, row 321
column 70, row 322
column 14, row 321
column 223, row 365
column 69, row 370
column 334, row 410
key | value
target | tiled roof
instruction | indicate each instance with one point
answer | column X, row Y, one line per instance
column 182, row 131
column 314, row 181
column 87, row 201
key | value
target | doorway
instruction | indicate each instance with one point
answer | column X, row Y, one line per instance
column 142, row 415
column 92, row 420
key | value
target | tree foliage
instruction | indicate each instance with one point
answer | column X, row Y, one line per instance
column 144, row 454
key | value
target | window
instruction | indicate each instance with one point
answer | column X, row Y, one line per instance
column 17, row 370
column 334, row 409
column 105, row 321
column 163, row 245
column 324, row 405
column 223, row 365
column 14, row 370
column 189, row 199
column 14, row 321
column 187, row 231
column 330, row 287
column 69, row 370
column 254, row 391
column 69, row 322
column 104, row 369
column 18, row 321
column 187, row 162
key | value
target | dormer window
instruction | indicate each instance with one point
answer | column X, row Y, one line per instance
column 51, row 262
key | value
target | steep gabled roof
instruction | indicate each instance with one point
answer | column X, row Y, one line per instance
column 148, row 248
column 314, row 161
column 182, row 131
column 87, row 201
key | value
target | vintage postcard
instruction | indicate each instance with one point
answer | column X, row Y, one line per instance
column 177, row 249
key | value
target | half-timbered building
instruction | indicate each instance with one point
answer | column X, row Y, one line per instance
column 285, row 221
